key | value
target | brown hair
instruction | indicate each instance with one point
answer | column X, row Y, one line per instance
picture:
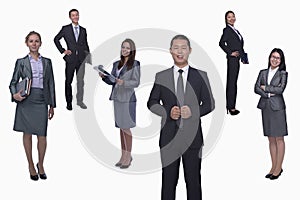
column 131, row 57
column 32, row 33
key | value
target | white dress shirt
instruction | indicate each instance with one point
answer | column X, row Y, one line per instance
column 184, row 75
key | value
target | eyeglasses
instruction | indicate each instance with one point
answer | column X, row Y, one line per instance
column 276, row 58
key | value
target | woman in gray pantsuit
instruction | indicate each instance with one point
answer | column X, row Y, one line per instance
column 32, row 112
column 270, row 86
column 127, row 71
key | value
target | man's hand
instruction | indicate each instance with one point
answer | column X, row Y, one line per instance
column 185, row 112
column 68, row 52
column 175, row 112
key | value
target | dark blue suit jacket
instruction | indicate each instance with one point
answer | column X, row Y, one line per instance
column 81, row 46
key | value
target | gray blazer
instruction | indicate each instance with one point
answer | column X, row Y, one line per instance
column 276, row 87
column 23, row 70
column 125, row 92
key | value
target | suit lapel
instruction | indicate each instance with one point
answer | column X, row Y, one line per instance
column 189, row 82
column 45, row 64
column 72, row 32
column 234, row 33
column 171, row 83
column 27, row 65
column 274, row 77
column 123, row 70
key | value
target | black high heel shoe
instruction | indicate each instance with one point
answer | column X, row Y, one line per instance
column 273, row 177
column 126, row 166
column 233, row 112
column 42, row 176
column 34, row 177
column 268, row 175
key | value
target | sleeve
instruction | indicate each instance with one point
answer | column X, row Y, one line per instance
column 154, row 104
column 281, row 87
column 207, row 100
column 15, row 79
column 257, row 85
column 135, row 77
column 57, row 40
column 52, row 86
column 223, row 42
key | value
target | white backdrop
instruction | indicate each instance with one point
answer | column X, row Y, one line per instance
column 235, row 168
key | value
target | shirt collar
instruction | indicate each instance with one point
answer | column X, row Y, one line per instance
column 31, row 58
column 273, row 70
column 75, row 25
column 185, row 68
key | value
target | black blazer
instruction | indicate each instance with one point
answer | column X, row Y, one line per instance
column 198, row 97
column 276, row 86
column 81, row 46
column 23, row 70
column 231, row 42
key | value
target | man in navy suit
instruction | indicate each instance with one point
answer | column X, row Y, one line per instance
column 181, row 95
column 76, row 54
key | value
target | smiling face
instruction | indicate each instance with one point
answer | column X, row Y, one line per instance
column 180, row 52
column 33, row 43
column 230, row 18
column 125, row 49
column 275, row 60
column 74, row 16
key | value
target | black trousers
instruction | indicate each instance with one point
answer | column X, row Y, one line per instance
column 192, row 176
column 233, row 68
column 71, row 68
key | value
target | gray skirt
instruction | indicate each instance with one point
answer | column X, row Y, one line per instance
column 125, row 114
column 32, row 114
column 274, row 122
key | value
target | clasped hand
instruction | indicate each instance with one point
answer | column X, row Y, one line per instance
column 184, row 112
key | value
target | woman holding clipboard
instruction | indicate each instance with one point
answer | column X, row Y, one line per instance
column 127, row 73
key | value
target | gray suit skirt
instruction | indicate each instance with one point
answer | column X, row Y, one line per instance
column 274, row 122
column 125, row 114
column 32, row 114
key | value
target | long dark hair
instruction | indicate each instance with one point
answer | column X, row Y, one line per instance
column 227, row 13
column 282, row 65
column 131, row 56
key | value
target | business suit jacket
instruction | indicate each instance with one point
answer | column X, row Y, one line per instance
column 198, row 97
column 125, row 92
column 81, row 46
column 276, row 86
column 231, row 42
column 23, row 70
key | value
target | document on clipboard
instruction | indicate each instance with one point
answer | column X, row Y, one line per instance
column 99, row 68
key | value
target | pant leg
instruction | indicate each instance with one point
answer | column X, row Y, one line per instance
column 80, row 71
column 170, row 176
column 69, row 72
column 233, row 68
column 192, row 174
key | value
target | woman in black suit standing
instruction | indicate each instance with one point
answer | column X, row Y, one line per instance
column 32, row 111
column 232, row 44
column 270, row 85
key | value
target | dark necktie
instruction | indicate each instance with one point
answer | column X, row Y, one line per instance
column 180, row 93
